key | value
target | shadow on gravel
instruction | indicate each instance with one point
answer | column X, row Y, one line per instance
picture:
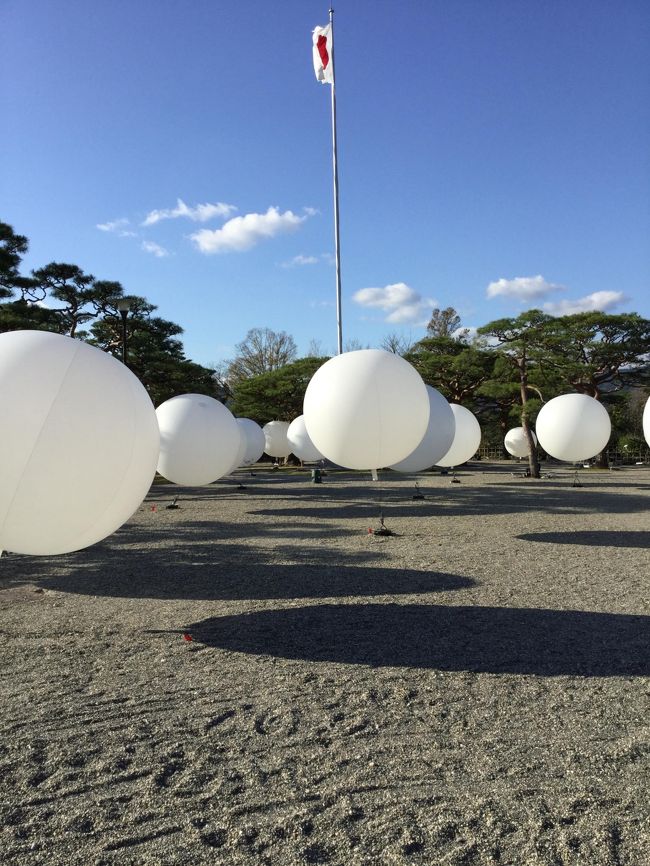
column 479, row 639
column 459, row 501
column 617, row 538
column 140, row 577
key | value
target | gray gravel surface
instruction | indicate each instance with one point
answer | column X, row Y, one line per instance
column 472, row 689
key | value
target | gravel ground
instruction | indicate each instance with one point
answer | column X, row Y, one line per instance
column 254, row 678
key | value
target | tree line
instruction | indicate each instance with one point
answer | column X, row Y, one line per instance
column 504, row 374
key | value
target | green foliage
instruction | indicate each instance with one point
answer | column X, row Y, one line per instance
column 277, row 395
column 455, row 368
column 23, row 316
column 12, row 248
column 597, row 353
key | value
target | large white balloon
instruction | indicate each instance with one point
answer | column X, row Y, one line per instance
column 573, row 427
column 199, row 439
column 366, row 409
column 515, row 442
column 467, row 437
column 437, row 439
column 255, row 441
column 276, row 442
column 301, row 444
column 79, row 443
column 646, row 421
column 241, row 451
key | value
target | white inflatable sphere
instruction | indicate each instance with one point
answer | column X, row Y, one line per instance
column 275, row 438
column 366, row 409
column 437, row 439
column 199, row 439
column 78, row 443
column 646, row 421
column 467, row 437
column 255, row 440
column 573, row 427
column 515, row 442
column 241, row 451
column 301, row 444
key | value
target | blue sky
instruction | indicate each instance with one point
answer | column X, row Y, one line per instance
column 493, row 156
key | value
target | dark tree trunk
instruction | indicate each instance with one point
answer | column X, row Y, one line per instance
column 533, row 462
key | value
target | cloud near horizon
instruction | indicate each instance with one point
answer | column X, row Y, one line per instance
column 402, row 303
column 243, row 232
column 523, row 288
column 600, row 301
column 200, row 213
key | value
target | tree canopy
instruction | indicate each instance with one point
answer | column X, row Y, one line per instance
column 276, row 395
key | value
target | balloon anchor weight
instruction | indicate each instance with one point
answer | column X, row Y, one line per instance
column 418, row 493
column 172, row 505
column 383, row 529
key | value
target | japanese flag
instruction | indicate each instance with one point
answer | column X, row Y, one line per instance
column 322, row 39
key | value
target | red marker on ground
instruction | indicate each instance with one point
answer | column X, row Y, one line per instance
column 187, row 636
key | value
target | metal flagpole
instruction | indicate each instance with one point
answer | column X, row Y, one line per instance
column 337, row 250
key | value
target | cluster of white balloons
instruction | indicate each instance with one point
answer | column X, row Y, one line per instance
column 201, row 440
column 81, row 441
column 571, row 427
column 370, row 409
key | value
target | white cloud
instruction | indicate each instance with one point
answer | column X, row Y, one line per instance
column 402, row 303
column 117, row 227
column 199, row 214
column 299, row 260
column 523, row 288
column 601, row 301
column 243, row 232
column 155, row 249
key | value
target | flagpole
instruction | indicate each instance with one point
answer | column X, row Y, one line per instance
column 337, row 251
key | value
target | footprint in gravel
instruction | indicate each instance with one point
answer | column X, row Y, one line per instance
column 316, row 854
column 277, row 722
column 215, row 838
column 169, row 769
column 37, row 778
column 81, row 824
column 355, row 813
column 219, row 720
